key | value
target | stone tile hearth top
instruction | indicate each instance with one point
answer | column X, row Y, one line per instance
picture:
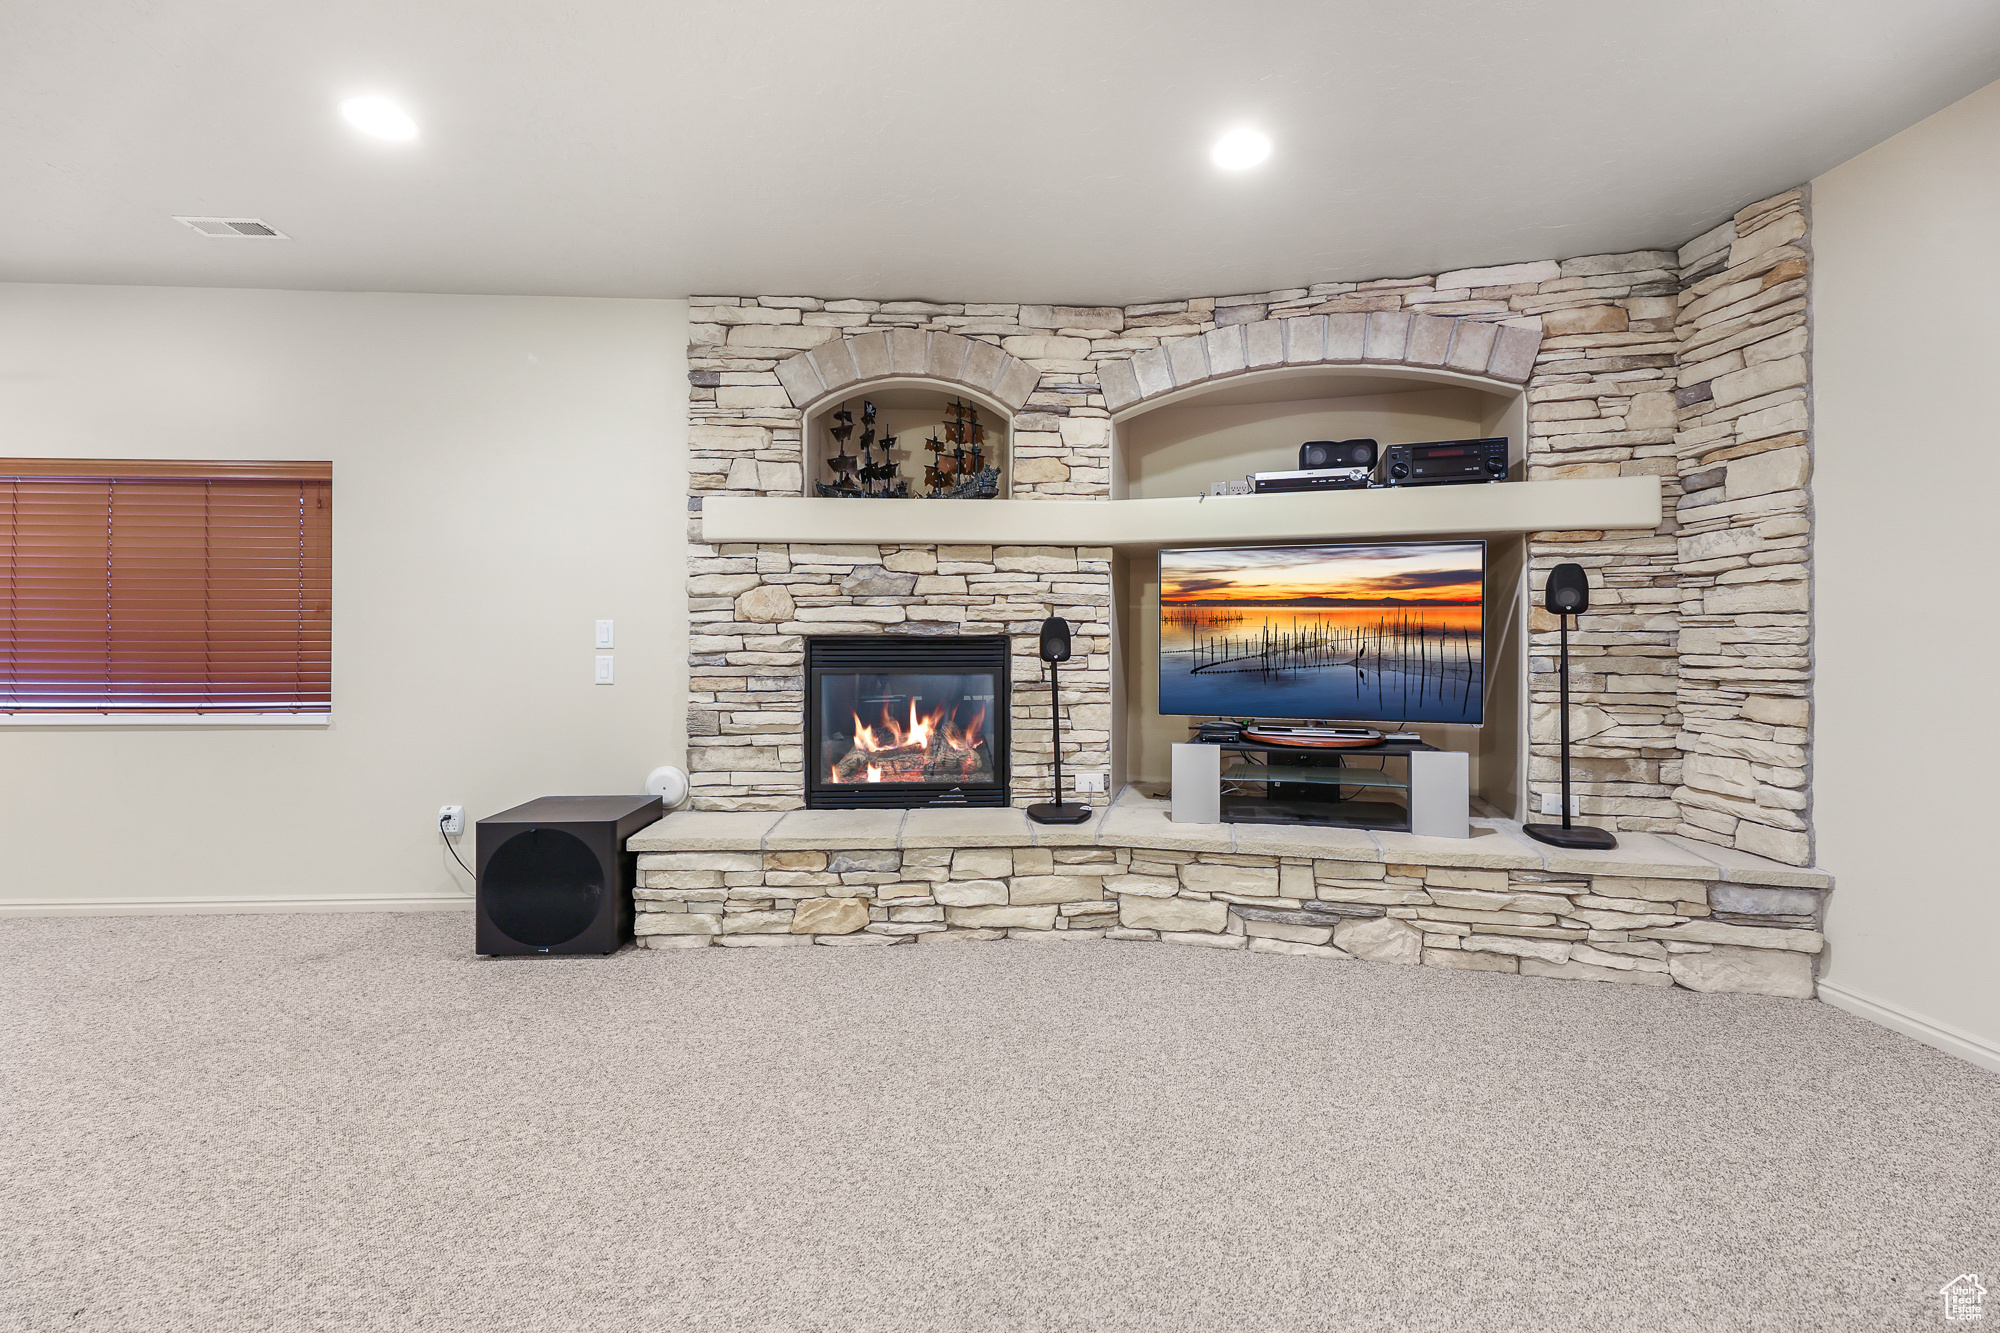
column 1748, row 868
column 1137, row 821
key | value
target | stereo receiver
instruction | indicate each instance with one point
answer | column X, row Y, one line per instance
column 1445, row 462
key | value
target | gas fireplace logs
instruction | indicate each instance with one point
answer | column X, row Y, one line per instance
column 930, row 749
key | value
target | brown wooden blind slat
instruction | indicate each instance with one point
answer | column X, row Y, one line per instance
column 165, row 587
column 133, row 469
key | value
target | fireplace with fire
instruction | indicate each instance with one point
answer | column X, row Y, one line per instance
column 902, row 723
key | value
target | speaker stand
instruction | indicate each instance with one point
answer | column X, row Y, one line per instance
column 1055, row 812
column 1567, row 834
column 1578, row 836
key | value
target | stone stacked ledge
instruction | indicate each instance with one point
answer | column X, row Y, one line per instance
column 1657, row 911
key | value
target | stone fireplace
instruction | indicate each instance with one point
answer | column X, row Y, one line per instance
column 905, row 723
column 748, row 724
column 1692, row 677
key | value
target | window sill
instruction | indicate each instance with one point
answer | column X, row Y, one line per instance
column 166, row 719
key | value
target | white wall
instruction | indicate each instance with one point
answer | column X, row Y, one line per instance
column 506, row 472
column 1906, row 349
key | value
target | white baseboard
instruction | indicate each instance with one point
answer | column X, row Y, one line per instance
column 231, row 906
column 1950, row 1040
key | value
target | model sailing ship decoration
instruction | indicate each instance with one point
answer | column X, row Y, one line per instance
column 863, row 478
column 962, row 473
column 959, row 469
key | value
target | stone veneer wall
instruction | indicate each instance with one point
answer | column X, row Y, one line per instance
column 754, row 605
column 1744, row 445
column 1687, row 365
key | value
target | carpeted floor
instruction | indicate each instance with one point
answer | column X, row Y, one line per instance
column 347, row 1122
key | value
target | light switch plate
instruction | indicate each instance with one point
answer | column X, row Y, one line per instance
column 1552, row 804
column 604, row 635
column 604, row 669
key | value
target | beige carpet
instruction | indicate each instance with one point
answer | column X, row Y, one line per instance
column 348, row 1122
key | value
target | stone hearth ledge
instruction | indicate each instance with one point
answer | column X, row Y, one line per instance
column 1136, row 821
column 1654, row 912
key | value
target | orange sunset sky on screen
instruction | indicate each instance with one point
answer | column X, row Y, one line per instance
column 1427, row 576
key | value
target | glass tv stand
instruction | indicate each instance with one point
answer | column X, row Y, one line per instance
column 1295, row 784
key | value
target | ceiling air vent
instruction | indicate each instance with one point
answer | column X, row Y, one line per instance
column 230, row 228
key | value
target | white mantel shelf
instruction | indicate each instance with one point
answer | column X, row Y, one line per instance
column 1601, row 503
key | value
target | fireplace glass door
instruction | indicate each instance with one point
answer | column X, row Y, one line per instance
column 897, row 723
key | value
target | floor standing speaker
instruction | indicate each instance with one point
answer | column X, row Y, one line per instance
column 554, row 876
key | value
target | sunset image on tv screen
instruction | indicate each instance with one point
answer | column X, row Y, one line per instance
column 1348, row 633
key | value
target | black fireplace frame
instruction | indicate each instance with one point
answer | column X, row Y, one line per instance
column 845, row 654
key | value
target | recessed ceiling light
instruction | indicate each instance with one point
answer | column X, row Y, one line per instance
column 378, row 116
column 1239, row 149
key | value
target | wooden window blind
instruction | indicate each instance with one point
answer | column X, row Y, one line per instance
column 143, row 586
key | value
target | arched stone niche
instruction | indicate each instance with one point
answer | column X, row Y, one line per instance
column 897, row 394
column 1503, row 353
column 849, row 365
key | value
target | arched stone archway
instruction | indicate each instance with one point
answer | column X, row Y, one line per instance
column 1503, row 353
column 899, row 353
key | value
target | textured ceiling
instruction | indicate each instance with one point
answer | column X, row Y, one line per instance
column 1029, row 151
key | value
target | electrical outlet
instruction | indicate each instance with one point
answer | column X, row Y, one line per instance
column 1552, row 804
column 1090, row 782
column 604, row 669
column 451, row 820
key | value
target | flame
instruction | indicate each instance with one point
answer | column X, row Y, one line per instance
column 919, row 732
column 968, row 736
column 896, row 736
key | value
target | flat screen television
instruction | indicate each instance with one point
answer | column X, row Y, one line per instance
column 1368, row 632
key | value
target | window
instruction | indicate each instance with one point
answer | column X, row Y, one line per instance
column 131, row 588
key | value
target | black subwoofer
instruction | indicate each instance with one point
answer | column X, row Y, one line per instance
column 554, row 876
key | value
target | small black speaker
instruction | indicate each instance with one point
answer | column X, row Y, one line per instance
column 1317, row 455
column 1568, row 590
column 554, row 876
column 1055, row 639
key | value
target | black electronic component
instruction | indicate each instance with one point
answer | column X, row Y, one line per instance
column 1318, row 455
column 554, row 876
column 1445, row 462
column 1568, row 590
column 1055, row 640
